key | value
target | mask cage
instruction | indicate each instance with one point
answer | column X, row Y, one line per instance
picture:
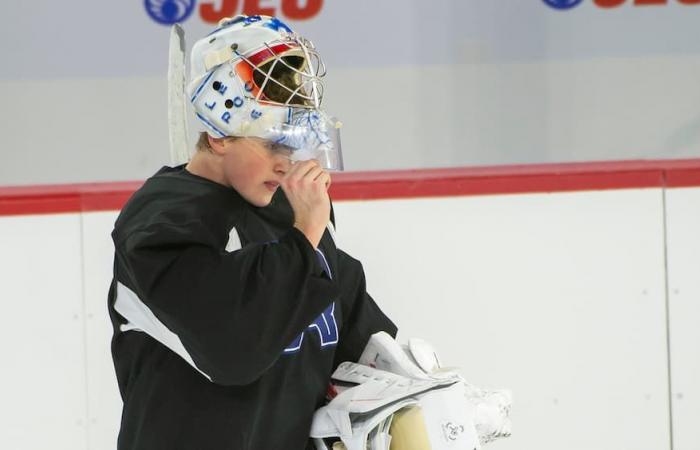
column 286, row 73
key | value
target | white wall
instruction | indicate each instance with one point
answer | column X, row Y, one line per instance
column 477, row 114
column 42, row 338
column 683, row 224
column 559, row 297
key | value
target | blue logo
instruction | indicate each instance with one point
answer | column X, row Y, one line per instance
column 325, row 325
column 563, row 4
column 275, row 24
column 168, row 12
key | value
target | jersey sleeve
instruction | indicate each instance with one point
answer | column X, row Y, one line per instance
column 364, row 318
column 230, row 315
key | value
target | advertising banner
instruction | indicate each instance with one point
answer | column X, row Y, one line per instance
column 46, row 39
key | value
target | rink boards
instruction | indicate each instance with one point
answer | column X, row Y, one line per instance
column 569, row 299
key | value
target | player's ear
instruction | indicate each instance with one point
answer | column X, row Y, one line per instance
column 217, row 145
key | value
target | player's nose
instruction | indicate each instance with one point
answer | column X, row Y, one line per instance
column 281, row 164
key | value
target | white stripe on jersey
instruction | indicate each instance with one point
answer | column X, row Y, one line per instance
column 141, row 318
column 234, row 241
column 331, row 231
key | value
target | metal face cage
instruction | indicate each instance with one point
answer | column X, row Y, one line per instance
column 286, row 73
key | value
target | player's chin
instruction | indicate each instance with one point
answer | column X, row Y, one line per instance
column 261, row 199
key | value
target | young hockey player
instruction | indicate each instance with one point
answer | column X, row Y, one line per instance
column 231, row 303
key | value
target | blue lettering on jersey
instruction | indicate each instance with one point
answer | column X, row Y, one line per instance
column 325, row 325
column 211, row 107
column 295, row 345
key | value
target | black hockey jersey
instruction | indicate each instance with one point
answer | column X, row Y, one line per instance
column 227, row 322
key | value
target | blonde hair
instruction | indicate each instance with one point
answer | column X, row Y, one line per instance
column 203, row 141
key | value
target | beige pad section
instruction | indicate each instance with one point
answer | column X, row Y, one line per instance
column 408, row 430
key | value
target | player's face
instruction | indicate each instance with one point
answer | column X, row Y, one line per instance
column 254, row 167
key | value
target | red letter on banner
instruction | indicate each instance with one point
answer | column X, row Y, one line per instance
column 689, row 2
column 211, row 15
column 253, row 8
column 608, row 3
column 292, row 10
column 650, row 2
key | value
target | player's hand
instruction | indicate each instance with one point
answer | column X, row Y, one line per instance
column 306, row 186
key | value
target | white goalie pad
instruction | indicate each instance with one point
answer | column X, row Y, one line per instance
column 361, row 416
column 384, row 353
column 424, row 355
column 390, row 379
column 419, row 360
column 491, row 412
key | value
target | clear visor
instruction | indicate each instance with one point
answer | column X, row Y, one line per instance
column 309, row 134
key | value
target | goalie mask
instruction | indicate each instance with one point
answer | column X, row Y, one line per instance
column 254, row 77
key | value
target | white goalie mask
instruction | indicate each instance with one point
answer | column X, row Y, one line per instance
column 254, row 77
